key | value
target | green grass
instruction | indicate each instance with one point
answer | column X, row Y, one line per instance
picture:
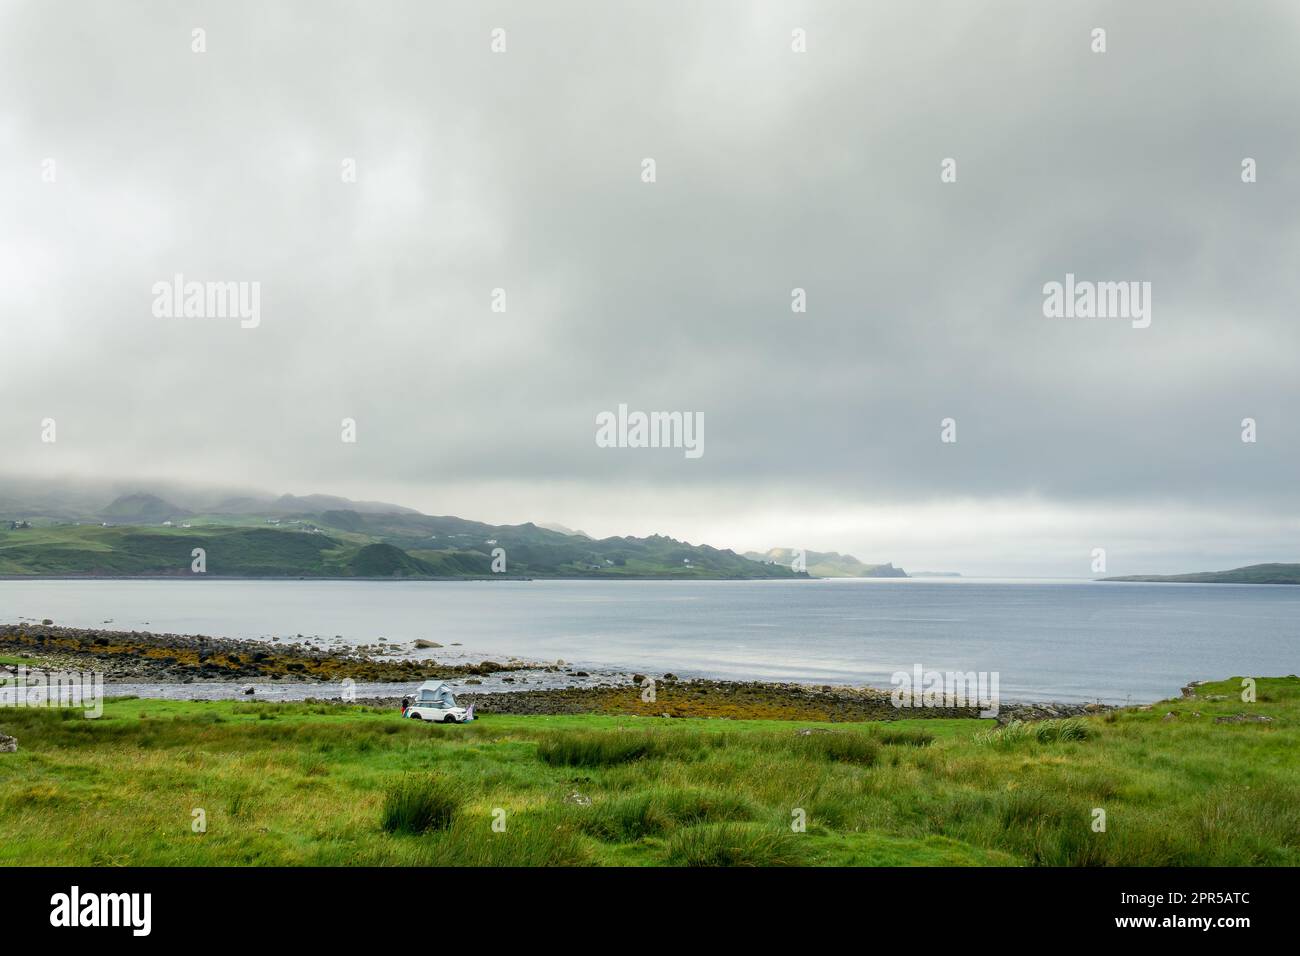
column 1017, row 732
column 734, row 844
column 322, row 784
column 657, row 811
column 837, row 746
column 608, row 747
column 417, row 804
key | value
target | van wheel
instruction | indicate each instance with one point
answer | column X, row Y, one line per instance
column 449, row 719
column 415, row 715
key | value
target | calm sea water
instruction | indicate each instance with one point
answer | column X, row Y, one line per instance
column 1064, row 641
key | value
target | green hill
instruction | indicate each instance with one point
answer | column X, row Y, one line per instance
column 828, row 564
column 347, row 543
column 386, row 561
column 129, row 550
column 1252, row 574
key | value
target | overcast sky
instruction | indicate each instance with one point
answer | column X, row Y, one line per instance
column 775, row 170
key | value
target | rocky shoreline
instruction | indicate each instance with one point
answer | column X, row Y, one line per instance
column 133, row 656
column 136, row 657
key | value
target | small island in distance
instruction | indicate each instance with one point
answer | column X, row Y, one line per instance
column 1253, row 574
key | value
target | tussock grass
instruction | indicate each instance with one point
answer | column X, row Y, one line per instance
column 526, row 841
column 734, row 844
column 594, row 750
column 1050, row 731
column 837, row 746
column 659, row 811
column 612, row 747
column 904, row 738
column 1010, row 734
column 418, row 804
column 1018, row 732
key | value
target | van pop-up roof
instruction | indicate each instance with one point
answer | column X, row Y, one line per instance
column 435, row 692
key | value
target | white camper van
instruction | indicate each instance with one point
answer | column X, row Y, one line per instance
column 435, row 701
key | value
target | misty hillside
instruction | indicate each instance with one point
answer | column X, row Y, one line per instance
column 327, row 536
column 144, row 508
column 828, row 564
column 554, row 526
column 92, row 500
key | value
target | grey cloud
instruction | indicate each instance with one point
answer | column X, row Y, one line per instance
column 775, row 170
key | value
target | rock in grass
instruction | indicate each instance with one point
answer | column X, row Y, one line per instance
column 8, row 745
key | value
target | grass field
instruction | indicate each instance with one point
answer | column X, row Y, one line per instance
column 333, row 785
